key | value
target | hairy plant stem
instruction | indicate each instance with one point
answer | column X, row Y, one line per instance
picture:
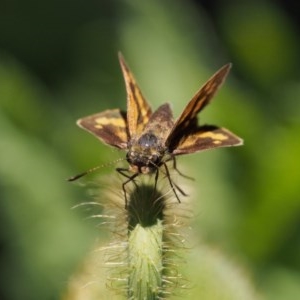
column 145, row 262
column 152, row 238
column 145, row 243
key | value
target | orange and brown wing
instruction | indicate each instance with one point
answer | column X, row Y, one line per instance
column 188, row 118
column 109, row 126
column 138, row 109
column 207, row 137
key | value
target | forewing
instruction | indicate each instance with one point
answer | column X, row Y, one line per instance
column 207, row 137
column 188, row 117
column 109, row 126
column 138, row 109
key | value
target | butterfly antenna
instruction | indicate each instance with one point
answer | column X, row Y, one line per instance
column 73, row 178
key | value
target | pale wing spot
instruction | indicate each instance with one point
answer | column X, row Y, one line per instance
column 144, row 112
column 214, row 136
column 188, row 142
column 110, row 121
column 117, row 122
column 122, row 135
column 217, row 142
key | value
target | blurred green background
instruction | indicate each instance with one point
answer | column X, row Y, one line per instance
column 58, row 62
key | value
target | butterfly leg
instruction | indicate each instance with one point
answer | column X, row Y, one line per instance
column 173, row 185
column 175, row 168
column 130, row 178
column 156, row 178
column 122, row 172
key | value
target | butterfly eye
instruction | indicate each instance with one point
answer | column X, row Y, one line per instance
column 148, row 140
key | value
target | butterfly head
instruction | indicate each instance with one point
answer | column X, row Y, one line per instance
column 145, row 154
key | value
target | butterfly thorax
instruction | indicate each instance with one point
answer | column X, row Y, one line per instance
column 145, row 153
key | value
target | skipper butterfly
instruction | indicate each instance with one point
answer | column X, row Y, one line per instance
column 151, row 139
